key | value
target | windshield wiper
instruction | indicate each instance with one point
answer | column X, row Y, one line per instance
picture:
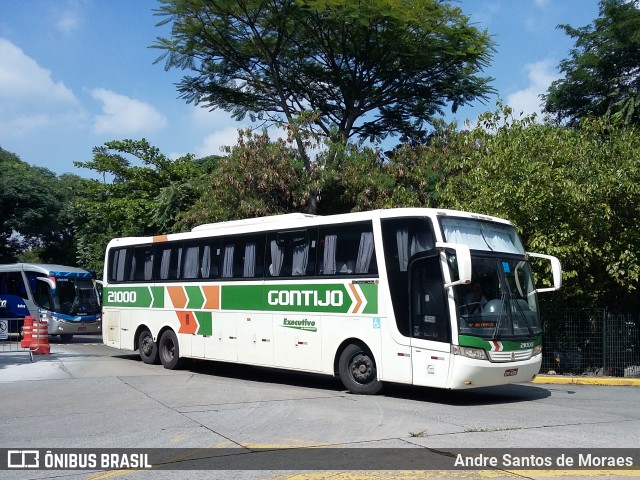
column 503, row 301
column 524, row 317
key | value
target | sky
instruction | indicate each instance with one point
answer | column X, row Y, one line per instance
column 75, row 74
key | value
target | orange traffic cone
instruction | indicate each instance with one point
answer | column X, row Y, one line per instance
column 40, row 338
column 27, row 328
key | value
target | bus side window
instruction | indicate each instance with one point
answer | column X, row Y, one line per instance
column 42, row 297
column 117, row 264
column 290, row 253
column 191, row 261
column 243, row 257
column 347, row 251
column 209, row 265
column 14, row 284
column 167, row 261
column 142, row 264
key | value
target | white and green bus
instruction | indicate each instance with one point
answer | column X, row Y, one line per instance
column 371, row 297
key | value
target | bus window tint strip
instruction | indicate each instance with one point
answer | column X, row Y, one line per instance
column 346, row 250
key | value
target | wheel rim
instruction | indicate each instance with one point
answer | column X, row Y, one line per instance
column 147, row 345
column 169, row 349
column 362, row 368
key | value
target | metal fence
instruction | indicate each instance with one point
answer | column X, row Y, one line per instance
column 591, row 342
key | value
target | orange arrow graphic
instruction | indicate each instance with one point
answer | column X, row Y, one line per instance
column 212, row 294
column 188, row 323
column 354, row 290
column 178, row 297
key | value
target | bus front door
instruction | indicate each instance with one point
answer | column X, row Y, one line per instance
column 430, row 328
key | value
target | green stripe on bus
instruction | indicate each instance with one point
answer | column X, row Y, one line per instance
column 370, row 291
column 196, row 298
column 312, row 298
column 204, row 320
column 127, row 297
column 158, row 297
column 507, row 345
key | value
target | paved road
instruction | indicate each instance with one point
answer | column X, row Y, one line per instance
column 87, row 395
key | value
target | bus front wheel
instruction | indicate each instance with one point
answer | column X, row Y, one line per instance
column 169, row 350
column 148, row 348
column 358, row 371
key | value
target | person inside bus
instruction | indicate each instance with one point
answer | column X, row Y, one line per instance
column 475, row 301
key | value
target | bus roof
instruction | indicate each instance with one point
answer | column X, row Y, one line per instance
column 47, row 269
column 300, row 220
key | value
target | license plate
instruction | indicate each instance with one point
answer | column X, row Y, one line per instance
column 82, row 329
column 511, row 372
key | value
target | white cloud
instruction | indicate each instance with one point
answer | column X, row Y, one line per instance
column 122, row 115
column 540, row 75
column 29, row 98
column 220, row 130
column 68, row 18
column 213, row 143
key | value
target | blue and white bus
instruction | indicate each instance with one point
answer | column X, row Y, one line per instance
column 66, row 297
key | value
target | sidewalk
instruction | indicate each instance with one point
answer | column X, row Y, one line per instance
column 586, row 380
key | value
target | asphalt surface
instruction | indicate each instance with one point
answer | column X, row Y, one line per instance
column 86, row 395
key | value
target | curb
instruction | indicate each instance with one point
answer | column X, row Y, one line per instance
column 605, row 381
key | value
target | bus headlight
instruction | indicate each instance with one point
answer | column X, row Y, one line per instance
column 537, row 350
column 477, row 353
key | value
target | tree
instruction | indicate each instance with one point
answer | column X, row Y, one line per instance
column 345, row 69
column 137, row 200
column 258, row 177
column 573, row 193
column 35, row 212
column 602, row 75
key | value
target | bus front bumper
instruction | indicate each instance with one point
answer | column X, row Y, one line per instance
column 472, row 373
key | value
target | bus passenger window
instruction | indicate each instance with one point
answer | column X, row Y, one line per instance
column 142, row 263
column 118, row 265
column 167, row 262
column 227, row 261
column 210, row 261
column 348, row 251
column 191, row 262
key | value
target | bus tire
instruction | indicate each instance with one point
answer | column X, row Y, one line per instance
column 66, row 337
column 169, row 350
column 358, row 372
column 148, row 348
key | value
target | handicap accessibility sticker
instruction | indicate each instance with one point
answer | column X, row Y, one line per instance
column 376, row 323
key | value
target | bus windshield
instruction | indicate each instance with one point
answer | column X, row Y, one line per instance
column 501, row 301
column 76, row 296
column 482, row 235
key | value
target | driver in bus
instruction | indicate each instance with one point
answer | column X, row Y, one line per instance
column 475, row 301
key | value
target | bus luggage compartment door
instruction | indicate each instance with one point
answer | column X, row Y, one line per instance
column 111, row 328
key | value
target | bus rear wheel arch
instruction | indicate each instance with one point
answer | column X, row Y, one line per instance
column 169, row 350
column 357, row 370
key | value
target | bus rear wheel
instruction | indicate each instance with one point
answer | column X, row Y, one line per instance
column 358, row 371
column 66, row 337
column 169, row 350
column 148, row 348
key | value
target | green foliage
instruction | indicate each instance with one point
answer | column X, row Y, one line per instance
column 602, row 75
column 132, row 200
column 363, row 69
column 35, row 215
column 573, row 193
column 258, row 177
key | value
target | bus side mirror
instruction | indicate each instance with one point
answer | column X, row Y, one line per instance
column 556, row 271
column 48, row 281
column 463, row 259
